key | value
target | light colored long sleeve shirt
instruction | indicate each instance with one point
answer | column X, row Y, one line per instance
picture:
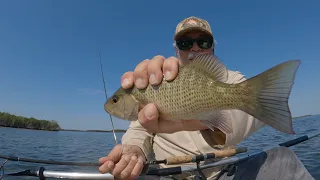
column 194, row 142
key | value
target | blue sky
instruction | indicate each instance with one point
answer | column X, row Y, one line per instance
column 49, row 64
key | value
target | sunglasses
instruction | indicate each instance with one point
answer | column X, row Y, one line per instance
column 186, row 44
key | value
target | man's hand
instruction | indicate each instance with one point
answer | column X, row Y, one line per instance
column 123, row 162
column 152, row 71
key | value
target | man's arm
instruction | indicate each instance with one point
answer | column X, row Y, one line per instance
column 139, row 136
column 243, row 124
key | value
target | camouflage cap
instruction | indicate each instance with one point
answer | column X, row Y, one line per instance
column 192, row 23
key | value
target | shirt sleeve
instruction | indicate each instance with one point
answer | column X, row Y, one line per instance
column 139, row 136
column 243, row 124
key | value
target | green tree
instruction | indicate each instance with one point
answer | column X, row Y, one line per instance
column 11, row 120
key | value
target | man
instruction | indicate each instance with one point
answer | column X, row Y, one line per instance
column 167, row 138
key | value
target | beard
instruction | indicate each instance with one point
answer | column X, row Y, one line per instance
column 192, row 55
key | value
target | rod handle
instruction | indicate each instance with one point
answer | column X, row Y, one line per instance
column 194, row 158
column 230, row 152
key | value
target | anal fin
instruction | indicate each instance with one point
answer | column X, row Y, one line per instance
column 221, row 120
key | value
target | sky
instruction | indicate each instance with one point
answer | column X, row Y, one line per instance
column 49, row 62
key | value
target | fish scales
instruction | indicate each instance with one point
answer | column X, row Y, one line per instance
column 190, row 94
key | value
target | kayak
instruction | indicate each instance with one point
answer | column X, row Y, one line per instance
column 238, row 164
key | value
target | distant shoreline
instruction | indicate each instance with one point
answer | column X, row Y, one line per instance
column 12, row 121
column 302, row 116
column 71, row 130
column 4, row 126
column 19, row 122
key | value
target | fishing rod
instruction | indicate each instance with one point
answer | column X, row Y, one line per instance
column 169, row 161
column 105, row 92
column 42, row 173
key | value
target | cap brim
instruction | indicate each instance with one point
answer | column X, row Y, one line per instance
column 182, row 32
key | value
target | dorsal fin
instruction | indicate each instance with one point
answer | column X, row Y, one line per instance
column 211, row 65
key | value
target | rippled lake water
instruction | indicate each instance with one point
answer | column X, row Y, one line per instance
column 90, row 146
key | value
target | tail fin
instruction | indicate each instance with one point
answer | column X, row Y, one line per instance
column 270, row 92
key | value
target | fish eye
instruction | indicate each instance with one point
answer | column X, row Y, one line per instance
column 114, row 99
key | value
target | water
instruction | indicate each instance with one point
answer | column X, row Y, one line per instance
column 90, row 146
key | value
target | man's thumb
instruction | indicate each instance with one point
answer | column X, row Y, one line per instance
column 148, row 117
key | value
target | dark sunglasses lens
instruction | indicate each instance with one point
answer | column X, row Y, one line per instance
column 205, row 43
column 184, row 44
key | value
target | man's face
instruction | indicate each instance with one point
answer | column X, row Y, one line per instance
column 190, row 49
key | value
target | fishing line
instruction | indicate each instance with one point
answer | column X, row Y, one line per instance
column 105, row 92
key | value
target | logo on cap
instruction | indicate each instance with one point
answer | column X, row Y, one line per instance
column 193, row 23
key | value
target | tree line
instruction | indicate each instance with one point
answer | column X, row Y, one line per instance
column 10, row 120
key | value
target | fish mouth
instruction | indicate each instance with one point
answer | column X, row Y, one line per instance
column 109, row 111
column 114, row 114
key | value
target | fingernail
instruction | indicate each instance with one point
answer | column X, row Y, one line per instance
column 125, row 82
column 148, row 113
column 168, row 75
column 153, row 79
column 139, row 82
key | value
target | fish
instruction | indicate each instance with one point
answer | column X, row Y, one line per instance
column 200, row 92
